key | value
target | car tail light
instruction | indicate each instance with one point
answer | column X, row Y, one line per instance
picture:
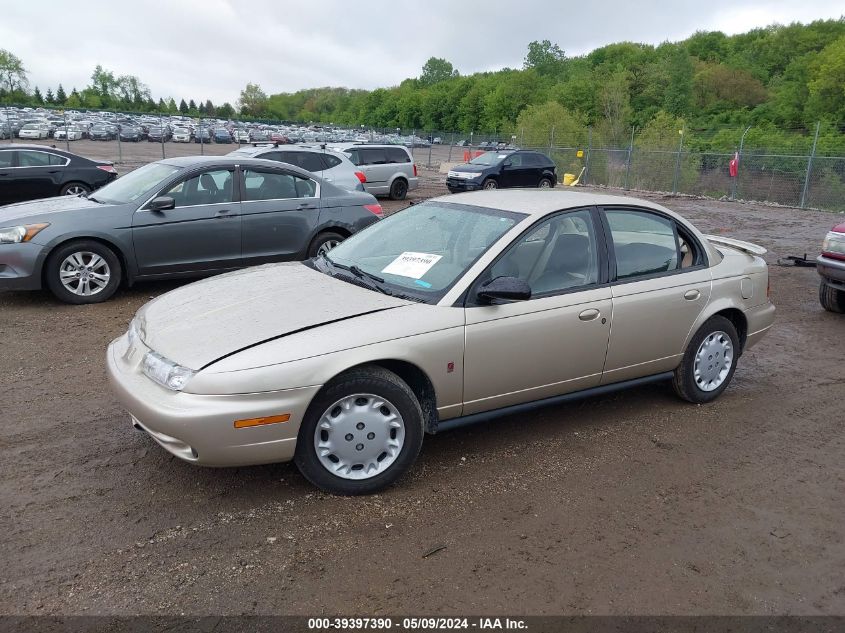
column 361, row 176
column 375, row 209
column 415, row 170
column 107, row 168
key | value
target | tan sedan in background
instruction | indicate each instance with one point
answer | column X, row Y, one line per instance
column 451, row 311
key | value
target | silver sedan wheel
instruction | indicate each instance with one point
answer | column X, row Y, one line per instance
column 75, row 190
column 326, row 246
column 713, row 361
column 359, row 436
column 84, row 273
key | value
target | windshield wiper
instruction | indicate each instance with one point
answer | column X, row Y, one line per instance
column 374, row 280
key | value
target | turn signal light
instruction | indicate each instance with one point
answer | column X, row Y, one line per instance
column 271, row 419
column 375, row 209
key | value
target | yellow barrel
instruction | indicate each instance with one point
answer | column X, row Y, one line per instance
column 568, row 179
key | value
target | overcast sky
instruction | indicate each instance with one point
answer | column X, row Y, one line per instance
column 210, row 49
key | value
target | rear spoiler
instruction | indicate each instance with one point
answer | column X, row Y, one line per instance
column 745, row 247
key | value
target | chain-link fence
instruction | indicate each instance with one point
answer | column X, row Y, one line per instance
column 794, row 173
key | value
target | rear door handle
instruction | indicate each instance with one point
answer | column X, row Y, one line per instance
column 223, row 214
column 692, row 295
column 307, row 205
column 589, row 315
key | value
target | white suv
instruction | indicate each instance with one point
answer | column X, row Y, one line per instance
column 390, row 169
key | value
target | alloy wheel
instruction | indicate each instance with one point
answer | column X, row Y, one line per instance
column 84, row 273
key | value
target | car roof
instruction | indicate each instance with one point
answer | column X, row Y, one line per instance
column 534, row 202
column 44, row 148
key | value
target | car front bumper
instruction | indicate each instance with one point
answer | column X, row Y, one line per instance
column 200, row 428
column 20, row 266
column 832, row 270
column 459, row 184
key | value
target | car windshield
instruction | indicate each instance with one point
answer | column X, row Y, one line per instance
column 422, row 251
column 135, row 184
column 488, row 158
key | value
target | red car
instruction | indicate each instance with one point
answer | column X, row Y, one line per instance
column 831, row 267
column 278, row 137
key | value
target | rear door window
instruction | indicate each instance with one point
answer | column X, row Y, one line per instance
column 644, row 243
column 397, row 155
column 372, row 156
column 28, row 158
column 331, row 161
column 271, row 185
column 6, row 159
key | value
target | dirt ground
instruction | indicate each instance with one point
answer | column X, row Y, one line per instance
column 632, row 503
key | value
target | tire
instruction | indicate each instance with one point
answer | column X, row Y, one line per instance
column 379, row 400
column 75, row 189
column 399, row 189
column 832, row 299
column 719, row 334
column 545, row 183
column 489, row 184
column 69, row 258
column 324, row 241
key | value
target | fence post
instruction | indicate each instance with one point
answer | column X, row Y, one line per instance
column 551, row 139
column 809, row 167
column 119, row 147
column 589, row 151
column 628, row 162
column 414, row 143
column 161, row 128
column 522, row 137
column 451, row 145
column 9, row 126
column 739, row 162
column 202, row 140
column 430, row 143
column 67, row 134
column 678, row 163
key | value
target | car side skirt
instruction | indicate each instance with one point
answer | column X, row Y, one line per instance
column 485, row 416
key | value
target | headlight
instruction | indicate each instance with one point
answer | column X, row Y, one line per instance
column 165, row 372
column 834, row 243
column 469, row 175
column 17, row 234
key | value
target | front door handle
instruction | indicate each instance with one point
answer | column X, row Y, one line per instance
column 223, row 214
column 306, row 205
column 692, row 295
column 589, row 315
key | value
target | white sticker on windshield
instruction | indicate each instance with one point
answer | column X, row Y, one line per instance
column 410, row 264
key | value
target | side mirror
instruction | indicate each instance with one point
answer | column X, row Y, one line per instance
column 507, row 288
column 507, row 163
column 162, row 203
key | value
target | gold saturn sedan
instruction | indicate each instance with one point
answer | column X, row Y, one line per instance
column 449, row 312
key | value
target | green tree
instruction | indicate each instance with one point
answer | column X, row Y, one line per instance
column 192, row 107
column 61, row 97
column 171, row 106
column 162, row 106
column 49, row 98
column 826, row 85
column 435, row 70
column 616, row 108
column 209, row 108
column 678, row 94
column 537, row 124
column 12, row 73
column 226, row 111
column 73, row 100
column 253, row 100
column 545, row 58
column 183, row 107
column 37, row 97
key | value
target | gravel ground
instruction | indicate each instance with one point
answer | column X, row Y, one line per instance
column 632, row 503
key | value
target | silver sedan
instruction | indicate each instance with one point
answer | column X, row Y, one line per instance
column 446, row 313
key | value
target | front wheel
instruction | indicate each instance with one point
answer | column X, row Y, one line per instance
column 832, row 299
column 709, row 362
column 361, row 433
column 490, row 184
column 323, row 243
column 83, row 272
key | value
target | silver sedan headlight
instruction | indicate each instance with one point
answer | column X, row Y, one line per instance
column 18, row 234
column 165, row 372
column 834, row 243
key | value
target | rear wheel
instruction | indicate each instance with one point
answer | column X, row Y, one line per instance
column 323, row 243
column 361, row 433
column 832, row 299
column 83, row 272
column 490, row 184
column 709, row 362
column 399, row 189
column 75, row 189
column 545, row 183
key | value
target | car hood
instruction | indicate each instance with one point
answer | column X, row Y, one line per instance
column 206, row 321
column 44, row 206
column 839, row 228
column 466, row 167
